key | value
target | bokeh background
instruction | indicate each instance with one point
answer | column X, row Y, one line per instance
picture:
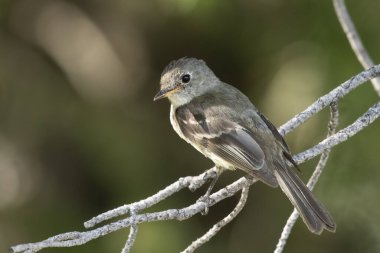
column 80, row 133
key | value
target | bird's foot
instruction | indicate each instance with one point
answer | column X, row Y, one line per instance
column 206, row 198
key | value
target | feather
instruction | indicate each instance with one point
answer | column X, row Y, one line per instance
column 312, row 212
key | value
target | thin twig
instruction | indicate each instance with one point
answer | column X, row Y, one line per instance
column 132, row 234
column 218, row 226
column 354, row 39
column 131, row 239
column 331, row 128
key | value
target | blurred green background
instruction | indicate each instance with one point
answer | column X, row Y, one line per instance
column 80, row 133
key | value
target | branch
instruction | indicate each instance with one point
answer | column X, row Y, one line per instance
column 354, row 39
column 333, row 124
column 75, row 238
column 132, row 233
column 192, row 183
column 333, row 96
column 78, row 238
column 365, row 120
column 218, row 226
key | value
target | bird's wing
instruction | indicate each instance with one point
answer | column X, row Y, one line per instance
column 222, row 137
column 280, row 139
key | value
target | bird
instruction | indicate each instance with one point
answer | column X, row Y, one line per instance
column 221, row 122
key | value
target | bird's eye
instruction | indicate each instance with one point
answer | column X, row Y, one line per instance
column 185, row 78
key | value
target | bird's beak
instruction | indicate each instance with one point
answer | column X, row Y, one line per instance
column 163, row 93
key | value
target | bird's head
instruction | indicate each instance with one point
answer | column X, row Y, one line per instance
column 184, row 79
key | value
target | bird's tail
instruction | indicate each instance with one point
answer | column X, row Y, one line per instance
column 312, row 212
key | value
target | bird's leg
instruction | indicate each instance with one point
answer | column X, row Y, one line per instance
column 219, row 171
column 205, row 198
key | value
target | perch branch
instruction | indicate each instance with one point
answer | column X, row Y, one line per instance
column 71, row 239
column 192, row 183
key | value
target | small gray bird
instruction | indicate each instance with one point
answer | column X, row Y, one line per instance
column 221, row 123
